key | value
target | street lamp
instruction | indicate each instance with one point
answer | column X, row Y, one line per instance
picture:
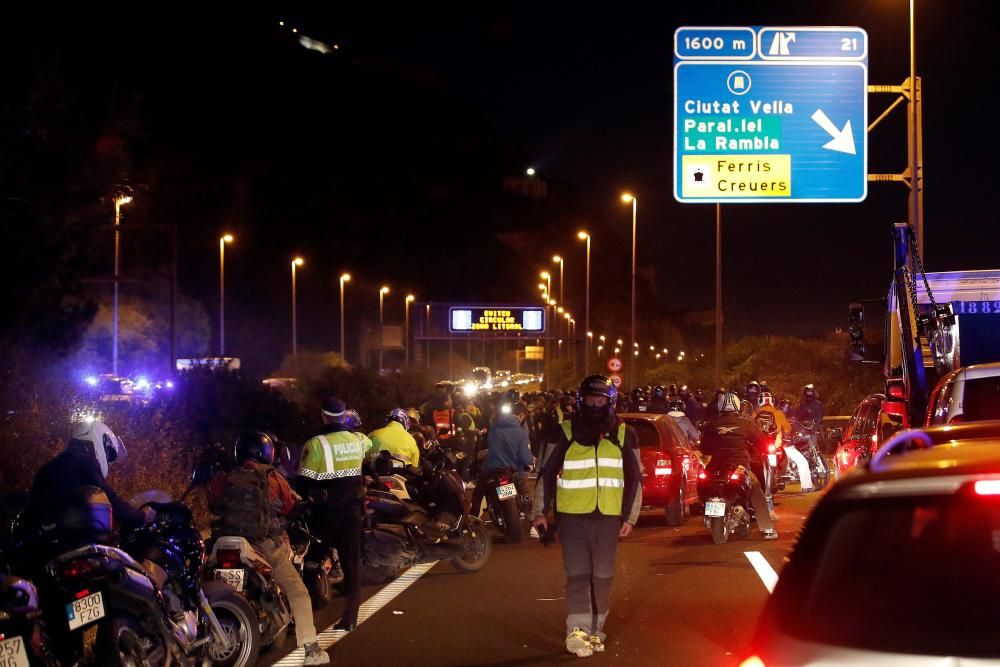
column 119, row 202
column 619, row 342
column 631, row 199
column 562, row 272
column 223, row 240
column 584, row 236
column 590, row 342
column 344, row 278
column 382, row 291
column 297, row 262
column 406, row 329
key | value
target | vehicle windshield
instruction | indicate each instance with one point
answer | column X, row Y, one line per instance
column 981, row 399
column 916, row 575
column 646, row 432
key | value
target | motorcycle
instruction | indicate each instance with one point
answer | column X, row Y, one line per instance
column 242, row 566
column 725, row 491
column 504, row 503
column 805, row 439
column 432, row 524
column 145, row 597
column 317, row 563
column 23, row 640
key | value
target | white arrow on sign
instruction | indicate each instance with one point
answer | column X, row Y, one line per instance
column 843, row 140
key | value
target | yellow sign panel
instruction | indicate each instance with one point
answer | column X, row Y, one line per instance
column 742, row 176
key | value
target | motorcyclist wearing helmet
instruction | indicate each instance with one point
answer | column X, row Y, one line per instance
column 352, row 420
column 676, row 411
column 658, row 403
column 593, row 481
column 809, row 408
column 639, row 403
column 228, row 497
column 728, row 439
column 785, row 406
column 395, row 438
column 765, row 404
column 750, row 395
column 691, row 406
column 672, row 391
column 508, row 448
column 86, row 461
column 712, row 410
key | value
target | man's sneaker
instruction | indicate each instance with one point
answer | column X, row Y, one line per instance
column 596, row 644
column 771, row 534
column 315, row 655
column 534, row 533
column 578, row 643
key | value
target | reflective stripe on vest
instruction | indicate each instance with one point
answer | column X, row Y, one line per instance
column 592, row 478
column 334, row 455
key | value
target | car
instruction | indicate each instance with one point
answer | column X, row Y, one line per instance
column 833, row 431
column 897, row 565
column 869, row 426
column 670, row 465
column 970, row 393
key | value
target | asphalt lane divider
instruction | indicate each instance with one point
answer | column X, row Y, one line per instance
column 369, row 608
column 763, row 568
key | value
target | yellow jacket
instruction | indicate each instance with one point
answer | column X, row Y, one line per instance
column 394, row 439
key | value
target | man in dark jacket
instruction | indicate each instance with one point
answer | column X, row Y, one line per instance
column 593, row 481
column 508, row 448
column 727, row 440
column 809, row 408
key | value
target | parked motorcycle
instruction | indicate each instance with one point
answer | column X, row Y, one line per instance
column 145, row 597
column 805, row 438
column 316, row 562
column 725, row 491
column 23, row 640
column 433, row 524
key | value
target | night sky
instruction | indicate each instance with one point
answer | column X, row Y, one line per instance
column 385, row 158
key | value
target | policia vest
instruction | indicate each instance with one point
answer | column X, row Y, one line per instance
column 592, row 477
column 334, row 455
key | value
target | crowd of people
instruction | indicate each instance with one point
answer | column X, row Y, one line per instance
column 585, row 456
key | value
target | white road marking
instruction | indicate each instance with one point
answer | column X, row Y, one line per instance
column 763, row 568
column 369, row 608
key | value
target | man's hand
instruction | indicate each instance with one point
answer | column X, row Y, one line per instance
column 540, row 523
column 626, row 529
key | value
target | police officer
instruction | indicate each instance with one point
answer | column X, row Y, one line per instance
column 727, row 439
column 593, row 482
column 330, row 476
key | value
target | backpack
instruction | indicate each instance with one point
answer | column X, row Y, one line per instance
column 244, row 507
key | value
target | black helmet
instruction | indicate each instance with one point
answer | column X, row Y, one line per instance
column 597, row 385
column 672, row 390
column 256, row 446
column 699, row 395
column 684, row 392
column 676, row 406
column 659, row 391
column 809, row 391
column 752, row 391
column 637, row 394
column 513, row 395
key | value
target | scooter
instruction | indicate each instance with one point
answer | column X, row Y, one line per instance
column 23, row 640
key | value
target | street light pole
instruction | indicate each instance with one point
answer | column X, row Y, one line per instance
column 406, row 327
column 586, row 315
column 628, row 198
column 915, row 149
column 381, row 319
column 223, row 240
column 119, row 202
column 345, row 277
column 298, row 261
column 562, row 272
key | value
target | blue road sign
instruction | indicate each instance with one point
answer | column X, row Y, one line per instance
column 770, row 115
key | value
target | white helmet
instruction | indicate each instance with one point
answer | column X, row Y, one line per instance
column 103, row 443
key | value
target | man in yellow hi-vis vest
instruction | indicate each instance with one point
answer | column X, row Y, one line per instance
column 330, row 476
column 595, row 479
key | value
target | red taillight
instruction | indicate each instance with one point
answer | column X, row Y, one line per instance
column 734, row 476
column 753, row 661
column 82, row 594
column 957, row 419
column 702, row 475
column 771, row 449
column 77, row 568
column 987, row 487
column 228, row 557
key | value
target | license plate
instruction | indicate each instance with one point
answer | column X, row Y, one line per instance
column 715, row 509
column 233, row 577
column 13, row 653
column 85, row 610
column 772, row 460
column 507, row 491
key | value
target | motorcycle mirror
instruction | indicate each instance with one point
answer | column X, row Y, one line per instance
column 384, row 454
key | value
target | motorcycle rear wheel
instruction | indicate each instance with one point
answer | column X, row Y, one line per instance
column 476, row 546
column 511, row 520
column 120, row 643
column 240, row 623
column 719, row 533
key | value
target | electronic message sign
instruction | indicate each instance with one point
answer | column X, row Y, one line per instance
column 496, row 319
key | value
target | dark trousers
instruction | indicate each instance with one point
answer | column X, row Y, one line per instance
column 339, row 526
column 589, row 546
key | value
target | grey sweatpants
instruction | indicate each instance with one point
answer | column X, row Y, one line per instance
column 589, row 545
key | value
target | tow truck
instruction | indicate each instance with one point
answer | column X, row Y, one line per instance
column 934, row 323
